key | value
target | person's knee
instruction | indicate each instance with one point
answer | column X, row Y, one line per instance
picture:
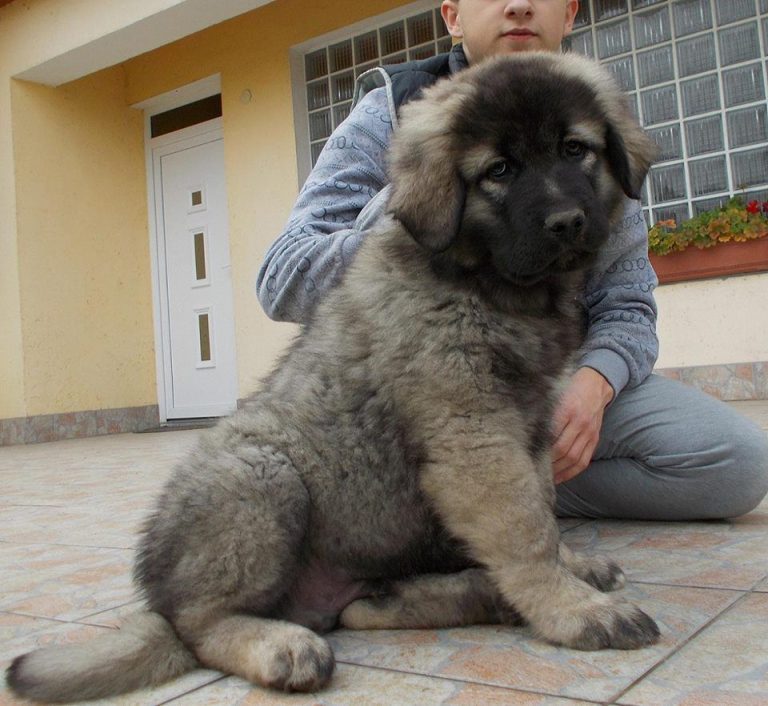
column 748, row 482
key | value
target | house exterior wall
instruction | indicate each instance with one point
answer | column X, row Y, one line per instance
column 31, row 33
column 714, row 321
column 75, row 267
column 83, row 250
column 75, row 279
column 259, row 139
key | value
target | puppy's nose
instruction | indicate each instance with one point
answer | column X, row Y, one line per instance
column 566, row 224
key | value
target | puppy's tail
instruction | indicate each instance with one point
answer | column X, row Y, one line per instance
column 144, row 652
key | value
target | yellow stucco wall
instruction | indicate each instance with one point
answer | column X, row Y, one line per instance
column 252, row 52
column 83, row 329
column 11, row 343
column 83, row 247
column 75, row 282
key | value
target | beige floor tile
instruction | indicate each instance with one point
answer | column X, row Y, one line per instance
column 568, row 523
column 723, row 554
column 726, row 664
column 113, row 617
column 63, row 582
column 69, row 511
column 71, row 471
column 359, row 686
column 19, row 635
column 511, row 657
column 351, row 684
column 756, row 410
column 97, row 526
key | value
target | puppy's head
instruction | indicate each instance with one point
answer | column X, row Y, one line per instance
column 521, row 162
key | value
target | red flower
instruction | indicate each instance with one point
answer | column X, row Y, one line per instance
column 765, row 207
column 753, row 207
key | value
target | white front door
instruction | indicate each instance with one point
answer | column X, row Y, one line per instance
column 198, row 332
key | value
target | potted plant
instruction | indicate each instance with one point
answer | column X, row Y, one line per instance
column 728, row 240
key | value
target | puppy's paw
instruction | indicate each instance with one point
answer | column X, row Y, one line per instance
column 598, row 571
column 301, row 661
column 638, row 629
column 621, row 626
column 604, row 574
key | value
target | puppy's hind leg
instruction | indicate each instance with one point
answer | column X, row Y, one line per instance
column 245, row 523
column 431, row 601
column 272, row 653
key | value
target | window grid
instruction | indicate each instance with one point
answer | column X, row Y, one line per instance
column 330, row 72
column 663, row 52
column 708, row 22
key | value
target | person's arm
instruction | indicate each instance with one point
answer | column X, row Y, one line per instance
column 340, row 199
column 621, row 341
column 621, row 345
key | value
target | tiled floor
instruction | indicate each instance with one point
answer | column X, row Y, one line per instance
column 69, row 511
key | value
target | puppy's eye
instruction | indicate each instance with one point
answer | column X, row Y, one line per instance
column 574, row 149
column 498, row 169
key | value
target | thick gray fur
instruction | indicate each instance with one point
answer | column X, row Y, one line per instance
column 394, row 470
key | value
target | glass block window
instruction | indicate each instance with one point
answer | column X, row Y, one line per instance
column 696, row 55
column 748, row 126
column 652, row 28
column 734, row 10
column 691, row 16
column 330, row 71
column 704, row 135
column 655, row 66
column 696, row 74
column 613, row 39
column 669, row 141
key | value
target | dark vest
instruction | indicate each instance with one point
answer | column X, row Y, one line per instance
column 410, row 78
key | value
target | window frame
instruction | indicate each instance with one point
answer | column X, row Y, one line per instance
column 298, row 72
column 634, row 8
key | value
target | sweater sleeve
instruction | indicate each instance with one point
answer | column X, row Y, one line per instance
column 621, row 339
column 326, row 225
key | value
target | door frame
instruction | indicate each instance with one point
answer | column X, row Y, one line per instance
column 180, row 139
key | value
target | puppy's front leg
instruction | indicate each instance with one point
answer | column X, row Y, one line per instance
column 598, row 571
column 498, row 500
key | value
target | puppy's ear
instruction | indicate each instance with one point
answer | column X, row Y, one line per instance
column 427, row 194
column 628, row 150
column 630, row 153
column 428, row 191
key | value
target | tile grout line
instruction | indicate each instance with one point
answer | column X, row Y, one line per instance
column 691, row 585
column 64, row 544
column 459, row 680
column 757, row 583
column 404, row 672
column 10, row 506
column 585, row 521
column 72, row 621
column 108, row 610
column 197, row 688
column 679, row 648
column 62, row 621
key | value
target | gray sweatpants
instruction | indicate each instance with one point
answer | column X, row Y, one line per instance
column 670, row 452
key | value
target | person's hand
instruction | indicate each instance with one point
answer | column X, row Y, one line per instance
column 577, row 421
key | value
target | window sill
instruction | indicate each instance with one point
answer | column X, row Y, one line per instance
column 722, row 260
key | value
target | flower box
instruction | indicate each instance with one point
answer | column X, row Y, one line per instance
column 724, row 259
column 725, row 241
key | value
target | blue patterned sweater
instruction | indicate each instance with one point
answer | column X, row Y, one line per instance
column 346, row 193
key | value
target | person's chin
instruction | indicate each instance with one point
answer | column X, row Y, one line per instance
column 518, row 43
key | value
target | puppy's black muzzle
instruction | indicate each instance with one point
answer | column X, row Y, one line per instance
column 566, row 225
